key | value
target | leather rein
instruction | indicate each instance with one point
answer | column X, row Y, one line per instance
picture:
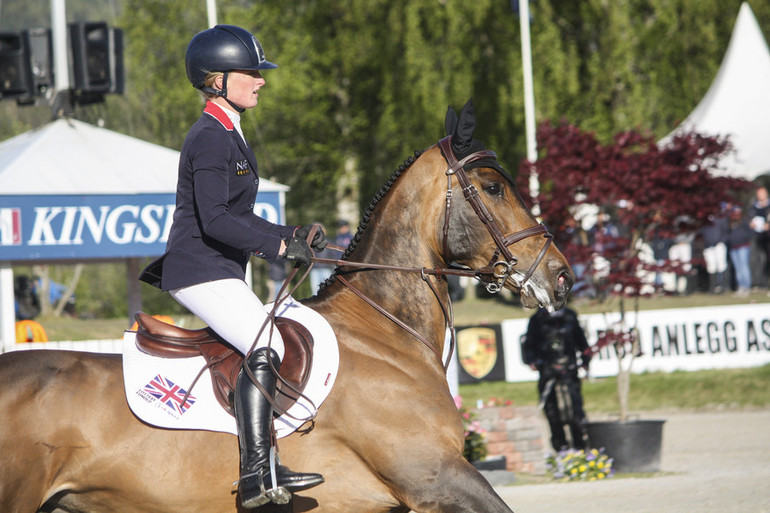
column 494, row 275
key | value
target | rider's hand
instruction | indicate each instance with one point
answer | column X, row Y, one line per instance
column 298, row 251
column 319, row 239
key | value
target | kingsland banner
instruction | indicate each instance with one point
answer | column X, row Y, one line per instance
column 96, row 226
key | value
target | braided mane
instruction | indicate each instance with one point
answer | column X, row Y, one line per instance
column 369, row 210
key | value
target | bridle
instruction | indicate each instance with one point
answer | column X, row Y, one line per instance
column 498, row 271
column 494, row 275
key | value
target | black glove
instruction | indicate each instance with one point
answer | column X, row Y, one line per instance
column 297, row 250
column 319, row 241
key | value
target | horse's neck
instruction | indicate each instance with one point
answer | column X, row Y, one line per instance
column 403, row 232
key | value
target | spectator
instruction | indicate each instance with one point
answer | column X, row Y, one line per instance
column 552, row 346
column 759, row 215
column 661, row 247
column 578, row 240
column 344, row 236
column 26, row 299
column 714, row 235
column 739, row 238
column 604, row 239
column 680, row 254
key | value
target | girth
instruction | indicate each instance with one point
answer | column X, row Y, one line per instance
column 159, row 338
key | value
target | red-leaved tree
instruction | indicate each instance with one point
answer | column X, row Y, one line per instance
column 636, row 191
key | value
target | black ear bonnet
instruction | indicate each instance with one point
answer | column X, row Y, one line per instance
column 463, row 144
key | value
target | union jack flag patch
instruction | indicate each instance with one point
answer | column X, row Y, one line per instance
column 169, row 394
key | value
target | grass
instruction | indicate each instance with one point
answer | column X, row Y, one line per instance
column 697, row 390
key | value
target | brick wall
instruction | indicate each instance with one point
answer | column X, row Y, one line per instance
column 516, row 433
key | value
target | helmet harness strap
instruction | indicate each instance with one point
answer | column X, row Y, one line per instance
column 223, row 92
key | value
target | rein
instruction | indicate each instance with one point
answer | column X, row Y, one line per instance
column 494, row 275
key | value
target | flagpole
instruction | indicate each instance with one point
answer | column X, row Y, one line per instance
column 529, row 101
column 211, row 10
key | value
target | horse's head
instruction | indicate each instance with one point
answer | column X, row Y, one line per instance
column 490, row 228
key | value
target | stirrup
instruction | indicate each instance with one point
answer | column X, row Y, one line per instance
column 277, row 494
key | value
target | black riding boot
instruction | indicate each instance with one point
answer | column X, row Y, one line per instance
column 254, row 416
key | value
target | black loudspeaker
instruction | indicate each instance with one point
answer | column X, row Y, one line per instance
column 97, row 57
column 16, row 80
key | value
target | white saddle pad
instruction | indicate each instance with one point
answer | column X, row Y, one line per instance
column 155, row 387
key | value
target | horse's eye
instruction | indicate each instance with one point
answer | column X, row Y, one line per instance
column 494, row 189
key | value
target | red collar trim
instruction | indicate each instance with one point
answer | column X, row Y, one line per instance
column 214, row 110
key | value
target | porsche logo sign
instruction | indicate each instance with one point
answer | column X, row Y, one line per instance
column 477, row 351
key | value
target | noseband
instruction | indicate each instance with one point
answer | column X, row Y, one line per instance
column 499, row 270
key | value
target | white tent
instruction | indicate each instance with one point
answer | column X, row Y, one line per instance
column 738, row 102
column 68, row 156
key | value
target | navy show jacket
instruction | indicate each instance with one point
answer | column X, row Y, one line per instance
column 214, row 230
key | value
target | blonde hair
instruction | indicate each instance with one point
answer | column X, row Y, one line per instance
column 211, row 77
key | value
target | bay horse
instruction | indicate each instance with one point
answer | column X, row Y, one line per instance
column 388, row 438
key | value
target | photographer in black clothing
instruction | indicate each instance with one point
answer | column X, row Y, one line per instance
column 553, row 343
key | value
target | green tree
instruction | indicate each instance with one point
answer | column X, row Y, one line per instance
column 364, row 83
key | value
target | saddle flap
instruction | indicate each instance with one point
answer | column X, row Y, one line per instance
column 297, row 361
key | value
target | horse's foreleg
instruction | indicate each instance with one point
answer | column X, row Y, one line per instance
column 457, row 487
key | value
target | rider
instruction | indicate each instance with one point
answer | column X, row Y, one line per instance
column 213, row 235
column 552, row 346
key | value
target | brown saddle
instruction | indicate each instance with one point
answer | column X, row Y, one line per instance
column 159, row 338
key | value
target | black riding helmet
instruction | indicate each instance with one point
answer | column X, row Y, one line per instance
column 223, row 48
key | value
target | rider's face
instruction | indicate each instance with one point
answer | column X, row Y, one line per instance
column 243, row 87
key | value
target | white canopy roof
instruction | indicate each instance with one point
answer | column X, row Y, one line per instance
column 738, row 102
column 68, row 156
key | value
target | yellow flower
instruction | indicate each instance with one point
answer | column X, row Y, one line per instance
column 592, row 464
column 573, row 471
column 582, row 468
column 600, row 464
column 600, row 475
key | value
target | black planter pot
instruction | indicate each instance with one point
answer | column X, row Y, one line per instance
column 634, row 445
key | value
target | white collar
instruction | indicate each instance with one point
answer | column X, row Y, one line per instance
column 235, row 118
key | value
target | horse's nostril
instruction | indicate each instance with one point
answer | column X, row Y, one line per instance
column 564, row 283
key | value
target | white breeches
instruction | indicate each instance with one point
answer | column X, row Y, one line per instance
column 716, row 258
column 233, row 311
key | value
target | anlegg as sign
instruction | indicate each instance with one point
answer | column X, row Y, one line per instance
column 693, row 339
column 715, row 337
column 710, row 337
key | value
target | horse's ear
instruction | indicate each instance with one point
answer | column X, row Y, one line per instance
column 450, row 123
column 463, row 134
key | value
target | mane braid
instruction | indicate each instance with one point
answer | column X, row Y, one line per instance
column 368, row 213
